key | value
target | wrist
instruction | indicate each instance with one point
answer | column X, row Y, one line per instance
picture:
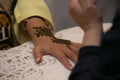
column 35, row 21
column 35, row 27
column 31, row 22
column 38, row 32
column 93, row 36
column 93, row 27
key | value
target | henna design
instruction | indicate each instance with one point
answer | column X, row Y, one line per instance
column 61, row 41
column 42, row 31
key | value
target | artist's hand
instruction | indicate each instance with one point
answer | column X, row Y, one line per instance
column 88, row 17
column 85, row 13
column 46, row 44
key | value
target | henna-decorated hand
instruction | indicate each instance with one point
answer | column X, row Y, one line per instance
column 47, row 44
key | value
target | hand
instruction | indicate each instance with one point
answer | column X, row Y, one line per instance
column 46, row 44
column 85, row 14
column 62, row 51
column 88, row 17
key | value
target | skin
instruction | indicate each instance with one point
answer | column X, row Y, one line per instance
column 46, row 44
column 86, row 14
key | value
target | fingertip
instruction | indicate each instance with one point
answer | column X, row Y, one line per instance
column 70, row 67
column 38, row 60
column 37, row 55
column 64, row 60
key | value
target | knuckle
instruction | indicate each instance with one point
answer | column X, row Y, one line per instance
column 89, row 6
column 60, row 55
column 70, row 11
column 71, row 55
column 71, row 8
column 63, row 59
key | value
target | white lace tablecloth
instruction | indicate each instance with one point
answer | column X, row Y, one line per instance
column 18, row 63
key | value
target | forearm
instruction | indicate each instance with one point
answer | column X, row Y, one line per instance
column 23, row 11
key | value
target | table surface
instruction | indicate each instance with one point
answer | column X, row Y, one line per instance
column 18, row 63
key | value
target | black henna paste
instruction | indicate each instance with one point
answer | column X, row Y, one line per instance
column 42, row 31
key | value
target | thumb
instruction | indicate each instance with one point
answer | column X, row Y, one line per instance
column 37, row 54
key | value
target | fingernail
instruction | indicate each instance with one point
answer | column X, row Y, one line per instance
column 37, row 60
column 70, row 67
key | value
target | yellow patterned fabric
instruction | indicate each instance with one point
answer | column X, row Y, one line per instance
column 28, row 8
column 6, row 32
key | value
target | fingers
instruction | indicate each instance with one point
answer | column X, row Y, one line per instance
column 37, row 55
column 86, row 3
column 93, row 1
column 74, row 4
column 75, row 49
column 58, row 54
column 63, row 59
column 72, row 51
column 76, row 44
column 70, row 54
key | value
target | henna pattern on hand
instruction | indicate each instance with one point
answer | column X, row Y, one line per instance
column 42, row 31
column 61, row 41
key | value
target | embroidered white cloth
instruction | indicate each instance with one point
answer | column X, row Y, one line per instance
column 18, row 63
